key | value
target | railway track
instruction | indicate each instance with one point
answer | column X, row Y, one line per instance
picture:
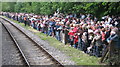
column 32, row 53
column 10, row 57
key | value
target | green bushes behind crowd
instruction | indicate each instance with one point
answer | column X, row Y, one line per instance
column 98, row 9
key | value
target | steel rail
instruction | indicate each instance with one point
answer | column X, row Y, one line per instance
column 37, row 44
column 17, row 45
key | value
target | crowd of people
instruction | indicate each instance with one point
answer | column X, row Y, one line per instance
column 83, row 32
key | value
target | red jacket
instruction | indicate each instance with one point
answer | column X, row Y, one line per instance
column 75, row 39
column 71, row 33
column 103, row 36
column 75, row 29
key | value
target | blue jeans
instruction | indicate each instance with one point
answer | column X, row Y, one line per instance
column 76, row 45
column 71, row 42
column 97, row 51
column 80, row 43
column 49, row 32
column 58, row 35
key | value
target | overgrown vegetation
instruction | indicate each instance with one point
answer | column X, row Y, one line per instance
column 97, row 8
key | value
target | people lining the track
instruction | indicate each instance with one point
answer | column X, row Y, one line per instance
column 85, row 33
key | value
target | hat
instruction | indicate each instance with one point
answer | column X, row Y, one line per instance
column 57, row 20
column 61, row 22
column 90, row 31
column 74, row 25
column 96, row 31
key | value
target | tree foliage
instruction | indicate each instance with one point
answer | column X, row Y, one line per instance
column 97, row 8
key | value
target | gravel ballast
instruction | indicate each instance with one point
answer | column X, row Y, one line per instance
column 60, row 56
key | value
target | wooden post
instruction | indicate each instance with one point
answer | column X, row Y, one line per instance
column 107, row 53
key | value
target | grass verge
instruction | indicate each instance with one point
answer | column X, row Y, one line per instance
column 75, row 55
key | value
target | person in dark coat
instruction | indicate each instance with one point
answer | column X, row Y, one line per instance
column 114, row 47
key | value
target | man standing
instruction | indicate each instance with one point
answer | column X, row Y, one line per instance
column 114, row 47
column 25, row 20
column 98, row 43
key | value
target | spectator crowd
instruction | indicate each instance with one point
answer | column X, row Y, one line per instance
column 83, row 32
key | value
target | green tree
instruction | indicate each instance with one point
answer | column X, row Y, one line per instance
column 98, row 9
column 8, row 6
